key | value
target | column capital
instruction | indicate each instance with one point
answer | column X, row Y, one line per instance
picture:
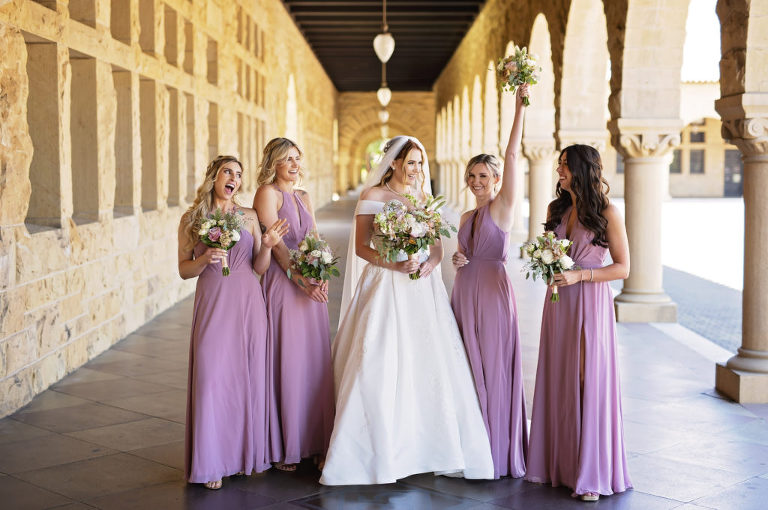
column 536, row 149
column 745, row 122
column 645, row 138
column 594, row 138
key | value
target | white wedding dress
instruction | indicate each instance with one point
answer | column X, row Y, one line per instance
column 405, row 397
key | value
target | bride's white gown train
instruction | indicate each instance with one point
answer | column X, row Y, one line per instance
column 405, row 397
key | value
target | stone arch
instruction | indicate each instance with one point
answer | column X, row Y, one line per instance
column 584, row 89
column 465, row 147
column 476, row 118
column 539, row 129
column 491, row 112
column 291, row 111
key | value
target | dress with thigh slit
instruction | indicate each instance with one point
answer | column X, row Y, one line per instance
column 577, row 435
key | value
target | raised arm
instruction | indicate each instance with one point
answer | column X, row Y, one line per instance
column 502, row 208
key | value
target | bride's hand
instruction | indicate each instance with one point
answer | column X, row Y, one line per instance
column 426, row 268
column 407, row 266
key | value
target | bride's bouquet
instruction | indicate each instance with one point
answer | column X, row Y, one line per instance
column 518, row 69
column 314, row 259
column 221, row 230
column 548, row 255
column 410, row 231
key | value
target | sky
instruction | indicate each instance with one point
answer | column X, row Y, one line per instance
column 701, row 53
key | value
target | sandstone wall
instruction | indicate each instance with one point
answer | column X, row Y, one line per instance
column 109, row 113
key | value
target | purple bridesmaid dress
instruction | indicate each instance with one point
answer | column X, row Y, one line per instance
column 226, row 399
column 485, row 309
column 301, row 406
column 577, row 437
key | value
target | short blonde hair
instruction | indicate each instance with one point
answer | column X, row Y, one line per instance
column 276, row 151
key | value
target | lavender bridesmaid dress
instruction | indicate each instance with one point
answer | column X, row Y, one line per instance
column 226, row 400
column 577, row 437
column 301, row 406
column 485, row 309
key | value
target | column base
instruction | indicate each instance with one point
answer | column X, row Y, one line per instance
column 743, row 387
column 630, row 310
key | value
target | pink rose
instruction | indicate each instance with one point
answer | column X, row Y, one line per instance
column 511, row 66
column 214, row 234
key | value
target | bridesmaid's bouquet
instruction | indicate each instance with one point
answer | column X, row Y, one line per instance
column 221, row 230
column 410, row 231
column 518, row 69
column 548, row 255
column 314, row 259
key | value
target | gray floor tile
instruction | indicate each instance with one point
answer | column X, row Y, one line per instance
column 133, row 435
column 50, row 399
column 749, row 495
column 143, row 366
column 19, row 495
column 170, row 405
column 735, row 456
column 153, row 347
column 112, row 389
column 49, row 450
column 481, row 490
column 165, row 331
column 83, row 375
column 177, row 379
column 13, row 431
column 92, row 478
column 79, row 417
column 680, row 481
column 395, row 497
column 282, row 486
column 171, row 454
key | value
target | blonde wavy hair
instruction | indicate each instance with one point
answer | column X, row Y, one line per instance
column 489, row 160
column 203, row 204
column 274, row 153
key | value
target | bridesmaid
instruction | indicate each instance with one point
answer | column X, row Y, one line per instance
column 301, row 407
column 226, row 400
column 577, row 436
column 484, row 303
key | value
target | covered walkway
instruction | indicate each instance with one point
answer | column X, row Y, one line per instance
column 110, row 435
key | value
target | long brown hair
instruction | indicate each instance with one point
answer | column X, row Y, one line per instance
column 409, row 145
column 203, row 203
column 590, row 189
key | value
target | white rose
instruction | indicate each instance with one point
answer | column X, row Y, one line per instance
column 303, row 246
column 566, row 262
column 222, row 223
column 547, row 256
column 235, row 235
column 202, row 231
column 327, row 257
column 419, row 229
column 536, row 254
column 316, row 253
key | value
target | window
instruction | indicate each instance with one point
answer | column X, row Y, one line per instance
column 697, row 161
column 674, row 167
column 698, row 137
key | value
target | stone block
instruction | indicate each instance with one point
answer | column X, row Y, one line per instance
column 742, row 387
column 645, row 312
column 20, row 350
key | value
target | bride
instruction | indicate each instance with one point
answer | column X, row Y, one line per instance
column 405, row 398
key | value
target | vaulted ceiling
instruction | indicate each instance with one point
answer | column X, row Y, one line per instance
column 341, row 34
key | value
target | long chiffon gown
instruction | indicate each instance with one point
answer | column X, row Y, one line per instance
column 577, row 437
column 405, row 401
column 226, row 399
column 485, row 309
column 301, row 404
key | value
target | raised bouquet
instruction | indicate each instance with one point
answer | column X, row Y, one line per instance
column 221, row 230
column 314, row 259
column 547, row 255
column 518, row 69
column 409, row 231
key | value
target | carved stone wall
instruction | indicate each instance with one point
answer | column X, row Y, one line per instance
column 109, row 114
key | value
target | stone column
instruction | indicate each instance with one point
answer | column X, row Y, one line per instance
column 744, row 377
column 541, row 161
column 643, row 144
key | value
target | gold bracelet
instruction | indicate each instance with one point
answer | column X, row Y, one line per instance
column 591, row 275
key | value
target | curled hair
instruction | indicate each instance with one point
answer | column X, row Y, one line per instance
column 274, row 153
column 489, row 160
column 409, row 145
column 203, row 204
column 590, row 190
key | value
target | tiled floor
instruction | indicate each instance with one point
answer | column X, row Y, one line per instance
column 111, row 434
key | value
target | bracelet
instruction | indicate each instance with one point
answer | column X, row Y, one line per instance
column 591, row 275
